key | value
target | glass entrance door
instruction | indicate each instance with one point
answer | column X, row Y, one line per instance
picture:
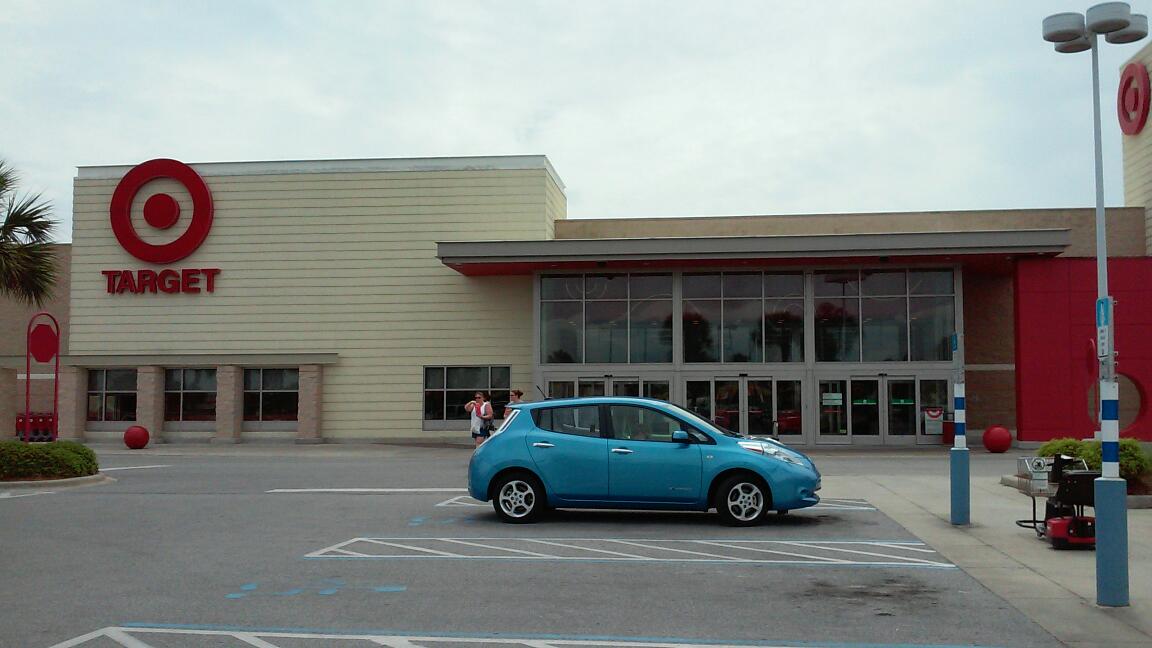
column 870, row 410
column 751, row 405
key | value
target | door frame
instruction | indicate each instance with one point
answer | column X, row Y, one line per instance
column 742, row 380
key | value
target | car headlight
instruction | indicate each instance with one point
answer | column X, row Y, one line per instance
column 769, row 450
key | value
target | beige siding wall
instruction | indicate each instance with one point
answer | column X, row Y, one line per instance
column 329, row 263
column 1138, row 154
column 1125, row 226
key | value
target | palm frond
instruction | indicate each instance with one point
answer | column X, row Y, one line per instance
column 26, row 220
column 27, row 271
column 8, row 178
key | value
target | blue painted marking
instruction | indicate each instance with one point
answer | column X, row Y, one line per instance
column 391, row 588
column 416, row 521
column 291, row 592
column 529, row 636
column 328, row 592
column 1110, row 410
column 248, row 587
column 1102, row 318
column 1110, row 451
column 235, row 596
column 960, row 429
column 960, row 402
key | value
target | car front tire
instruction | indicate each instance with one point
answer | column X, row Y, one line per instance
column 519, row 498
column 743, row 500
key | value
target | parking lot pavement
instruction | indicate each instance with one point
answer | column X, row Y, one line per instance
column 199, row 552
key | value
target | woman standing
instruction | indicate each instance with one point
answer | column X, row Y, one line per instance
column 480, row 411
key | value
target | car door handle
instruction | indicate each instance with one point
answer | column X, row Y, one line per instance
column 543, row 444
column 621, row 451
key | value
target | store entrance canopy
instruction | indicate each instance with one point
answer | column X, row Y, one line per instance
column 991, row 248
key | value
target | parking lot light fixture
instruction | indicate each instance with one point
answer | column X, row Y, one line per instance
column 1071, row 33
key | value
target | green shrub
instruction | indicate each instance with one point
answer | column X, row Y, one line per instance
column 1070, row 447
column 57, row 460
column 1133, row 460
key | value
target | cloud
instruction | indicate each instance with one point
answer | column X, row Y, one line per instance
column 645, row 108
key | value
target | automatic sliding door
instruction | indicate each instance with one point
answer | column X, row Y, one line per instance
column 833, row 408
column 901, row 409
column 865, row 393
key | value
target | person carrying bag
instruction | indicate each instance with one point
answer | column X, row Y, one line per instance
column 480, row 411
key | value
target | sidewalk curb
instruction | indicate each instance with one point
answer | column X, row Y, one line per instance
column 45, row 484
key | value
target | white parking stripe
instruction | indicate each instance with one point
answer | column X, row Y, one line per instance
column 868, row 553
column 254, row 641
column 878, row 553
column 772, row 551
column 135, row 467
column 568, row 546
column 698, row 553
column 403, row 546
column 117, row 635
column 477, row 544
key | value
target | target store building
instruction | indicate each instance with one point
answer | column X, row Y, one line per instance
column 366, row 300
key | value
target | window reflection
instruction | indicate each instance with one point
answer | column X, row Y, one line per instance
column 702, row 330
column 932, row 324
column 838, row 330
column 784, row 330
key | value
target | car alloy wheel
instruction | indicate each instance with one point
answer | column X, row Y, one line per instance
column 519, row 498
column 742, row 501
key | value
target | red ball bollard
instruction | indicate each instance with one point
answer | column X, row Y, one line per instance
column 136, row 437
column 997, row 439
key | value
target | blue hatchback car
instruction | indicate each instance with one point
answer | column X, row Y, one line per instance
column 634, row 453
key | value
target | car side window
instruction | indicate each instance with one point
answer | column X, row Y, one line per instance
column 633, row 423
column 581, row 421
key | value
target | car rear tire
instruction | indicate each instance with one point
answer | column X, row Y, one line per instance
column 743, row 500
column 519, row 498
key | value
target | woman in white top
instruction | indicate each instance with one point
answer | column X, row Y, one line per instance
column 481, row 415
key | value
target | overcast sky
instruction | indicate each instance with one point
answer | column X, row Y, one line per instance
column 659, row 108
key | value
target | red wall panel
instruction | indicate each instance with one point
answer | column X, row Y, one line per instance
column 1055, row 329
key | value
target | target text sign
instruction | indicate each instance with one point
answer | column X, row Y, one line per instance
column 161, row 212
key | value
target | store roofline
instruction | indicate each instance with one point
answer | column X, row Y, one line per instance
column 360, row 165
column 481, row 257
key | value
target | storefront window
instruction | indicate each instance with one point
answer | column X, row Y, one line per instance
column 448, row 389
column 702, row 330
column 783, row 330
column 885, row 329
column 884, row 316
column 932, row 324
column 190, row 395
column 837, row 330
column 111, row 394
column 271, row 394
column 606, row 318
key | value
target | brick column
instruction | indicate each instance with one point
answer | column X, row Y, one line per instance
column 150, row 401
column 308, row 428
column 8, row 405
column 229, row 404
column 73, row 403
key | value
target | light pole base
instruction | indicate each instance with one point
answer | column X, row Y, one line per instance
column 961, row 495
column 1111, row 504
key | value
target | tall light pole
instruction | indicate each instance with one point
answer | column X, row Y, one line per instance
column 1074, row 32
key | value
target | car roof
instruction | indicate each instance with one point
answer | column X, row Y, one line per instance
column 592, row 400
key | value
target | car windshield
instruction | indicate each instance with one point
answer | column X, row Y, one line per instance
column 704, row 423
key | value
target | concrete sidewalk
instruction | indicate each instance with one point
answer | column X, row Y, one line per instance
column 1056, row 589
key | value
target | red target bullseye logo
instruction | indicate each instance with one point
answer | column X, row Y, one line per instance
column 1133, row 98
column 161, row 211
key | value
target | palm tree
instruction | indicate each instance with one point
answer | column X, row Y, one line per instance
column 27, row 262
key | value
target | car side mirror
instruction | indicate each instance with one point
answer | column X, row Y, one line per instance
column 681, row 436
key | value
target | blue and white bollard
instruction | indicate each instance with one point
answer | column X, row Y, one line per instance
column 961, row 495
column 1111, row 504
